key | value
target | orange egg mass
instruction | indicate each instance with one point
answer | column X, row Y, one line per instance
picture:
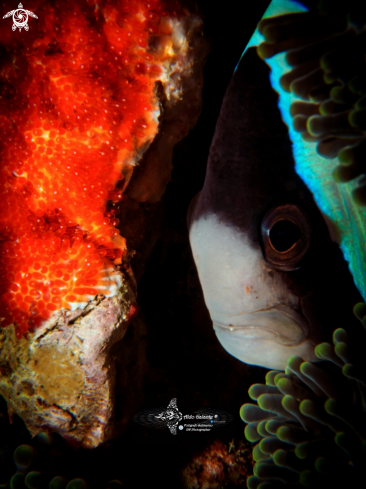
column 77, row 104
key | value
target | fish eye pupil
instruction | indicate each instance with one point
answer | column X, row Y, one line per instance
column 283, row 235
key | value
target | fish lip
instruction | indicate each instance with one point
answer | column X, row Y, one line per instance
column 266, row 332
column 300, row 323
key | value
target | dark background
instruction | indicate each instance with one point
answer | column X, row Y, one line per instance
column 186, row 360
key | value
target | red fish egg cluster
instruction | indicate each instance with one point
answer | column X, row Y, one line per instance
column 77, row 104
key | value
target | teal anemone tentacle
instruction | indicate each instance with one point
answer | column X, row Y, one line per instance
column 318, row 68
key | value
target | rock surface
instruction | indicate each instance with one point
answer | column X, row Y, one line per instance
column 181, row 104
column 61, row 378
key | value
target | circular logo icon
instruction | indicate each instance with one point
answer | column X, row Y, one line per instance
column 20, row 19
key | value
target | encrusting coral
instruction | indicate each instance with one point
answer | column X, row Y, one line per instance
column 309, row 421
column 326, row 51
column 218, row 466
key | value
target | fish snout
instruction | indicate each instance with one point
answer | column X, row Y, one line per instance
column 267, row 337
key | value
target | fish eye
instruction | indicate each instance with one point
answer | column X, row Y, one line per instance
column 283, row 235
column 286, row 234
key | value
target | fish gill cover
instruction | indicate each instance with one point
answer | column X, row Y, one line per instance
column 346, row 219
column 78, row 107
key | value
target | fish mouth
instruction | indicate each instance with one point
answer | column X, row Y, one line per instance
column 280, row 323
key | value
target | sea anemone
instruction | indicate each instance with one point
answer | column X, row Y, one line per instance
column 32, row 465
column 326, row 54
column 309, row 421
column 316, row 67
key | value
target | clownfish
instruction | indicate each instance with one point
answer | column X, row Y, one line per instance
column 274, row 281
